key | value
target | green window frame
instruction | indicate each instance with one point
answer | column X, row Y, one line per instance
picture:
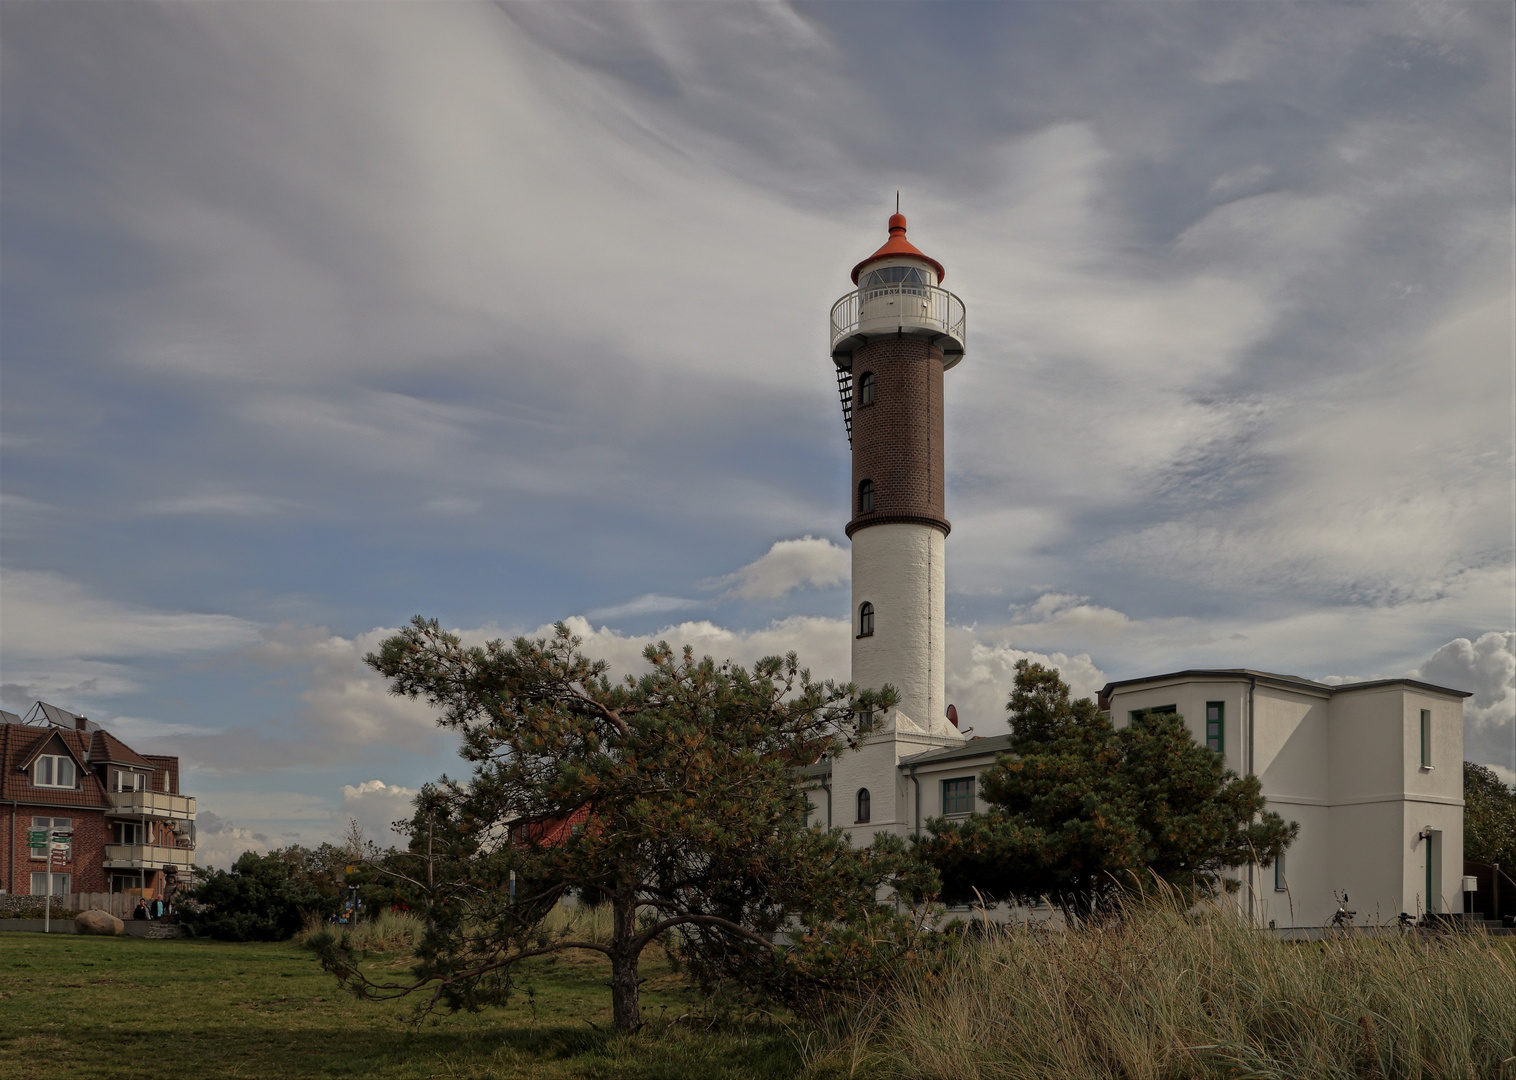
column 1215, row 726
column 1279, row 880
column 1426, row 738
column 1156, row 710
column 958, row 795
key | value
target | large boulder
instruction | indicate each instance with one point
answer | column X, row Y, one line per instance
column 96, row 921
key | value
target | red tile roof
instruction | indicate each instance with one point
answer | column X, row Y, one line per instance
column 19, row 743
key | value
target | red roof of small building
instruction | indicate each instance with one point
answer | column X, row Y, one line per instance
column 897, row 244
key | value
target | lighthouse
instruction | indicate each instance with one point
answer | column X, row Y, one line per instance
column 893, row 338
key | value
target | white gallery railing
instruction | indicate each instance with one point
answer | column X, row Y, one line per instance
column 901, row 305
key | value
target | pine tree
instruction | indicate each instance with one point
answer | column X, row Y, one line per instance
column 673, row 798
column 1079, row 811
column 1489, row 818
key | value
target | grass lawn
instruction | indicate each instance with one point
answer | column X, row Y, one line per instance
column 84, row 1007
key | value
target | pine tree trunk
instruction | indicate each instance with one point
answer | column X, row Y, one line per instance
column 626, row 1009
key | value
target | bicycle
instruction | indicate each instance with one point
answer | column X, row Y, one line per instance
column 1344, row 916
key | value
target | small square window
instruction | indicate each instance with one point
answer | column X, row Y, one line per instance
column 958, row 795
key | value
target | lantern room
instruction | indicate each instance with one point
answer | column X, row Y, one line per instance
column 899, row 294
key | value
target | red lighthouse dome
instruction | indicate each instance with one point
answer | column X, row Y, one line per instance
column 896, row 246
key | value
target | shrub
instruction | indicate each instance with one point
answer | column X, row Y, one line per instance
column 262, row 899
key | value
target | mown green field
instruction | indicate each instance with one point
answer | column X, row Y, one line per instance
column 87, row 1007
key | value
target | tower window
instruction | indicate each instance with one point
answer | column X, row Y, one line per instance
column 865, row 496
column 895, row 275
column 1426, row 738
column 866, row 619
column 863, row 805
column 866, row 388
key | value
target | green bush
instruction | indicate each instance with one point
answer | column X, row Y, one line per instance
column 264, row 898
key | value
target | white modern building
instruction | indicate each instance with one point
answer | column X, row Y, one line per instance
column 1371, row 771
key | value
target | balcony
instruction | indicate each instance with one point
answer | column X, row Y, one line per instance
column 148, row 857
column 898, row 308
column 152, row 804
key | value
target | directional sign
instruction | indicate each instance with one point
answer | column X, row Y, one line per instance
column 36, row 838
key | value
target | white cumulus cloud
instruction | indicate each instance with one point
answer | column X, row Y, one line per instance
column 790, row 565
column 1485, row 666
column 376, row 806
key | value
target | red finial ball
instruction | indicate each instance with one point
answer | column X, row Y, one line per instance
column 897, row 221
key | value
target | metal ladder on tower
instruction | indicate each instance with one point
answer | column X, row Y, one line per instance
column 845, row 392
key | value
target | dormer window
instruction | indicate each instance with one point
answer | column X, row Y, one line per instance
column 125, row 780
column 53, row 770
column 865, row 496
column 866, row 388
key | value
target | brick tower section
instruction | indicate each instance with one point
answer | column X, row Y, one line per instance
column 897, row 438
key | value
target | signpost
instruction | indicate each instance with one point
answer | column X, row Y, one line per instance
column 59, row 844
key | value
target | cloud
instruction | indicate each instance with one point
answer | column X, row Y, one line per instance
column 64, row 679
column 375, row 806
column 980, row 675
column 646, row 604
column 219, row 843
column 228, row 504
column 1486, row 666
column 47, row 616
column 789, row 565
column 454, row 505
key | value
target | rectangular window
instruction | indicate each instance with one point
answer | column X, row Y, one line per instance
column 66, row 824
column 958, row 795
column 1215, row 726
column 1426, row 738
column 126, row 832
column 1156, row 710
column 51, row 770
column 60, row 884
column 125, row 780
column 1279, row 884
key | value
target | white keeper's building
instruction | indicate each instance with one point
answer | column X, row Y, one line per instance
column 1372, row 771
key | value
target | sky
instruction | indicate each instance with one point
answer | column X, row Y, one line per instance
column 315, row 317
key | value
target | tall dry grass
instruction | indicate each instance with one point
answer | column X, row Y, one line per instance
column 1165, row 994
column 386, row 932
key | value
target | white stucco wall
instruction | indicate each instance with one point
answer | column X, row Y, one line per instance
column 901, row 570
column 1346, row 766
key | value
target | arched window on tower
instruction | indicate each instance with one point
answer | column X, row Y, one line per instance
column 865, row 496
column 863, row 805
column 865, row 619
column 866, row 388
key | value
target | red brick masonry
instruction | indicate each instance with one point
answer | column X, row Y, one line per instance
column 897, row 440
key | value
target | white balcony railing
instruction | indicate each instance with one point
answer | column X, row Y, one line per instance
column 148, row 857
column 900, row 306
column 152, row 804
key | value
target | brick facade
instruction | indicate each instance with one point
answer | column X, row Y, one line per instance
column 96, row 754
column 897, row 439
